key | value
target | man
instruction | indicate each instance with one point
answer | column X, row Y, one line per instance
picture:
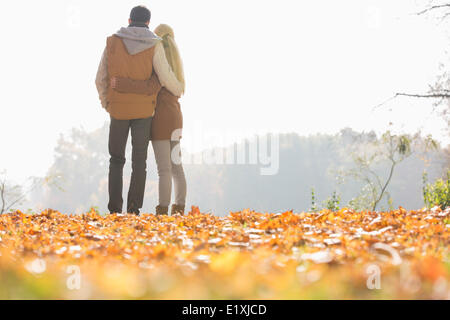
column 129, row 53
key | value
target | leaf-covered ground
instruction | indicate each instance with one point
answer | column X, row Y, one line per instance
column 245, row 255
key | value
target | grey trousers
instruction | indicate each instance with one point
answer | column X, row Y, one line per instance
column 168, row 161
column 118, row 136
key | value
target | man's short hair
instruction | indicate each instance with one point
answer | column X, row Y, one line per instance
column 140, row 14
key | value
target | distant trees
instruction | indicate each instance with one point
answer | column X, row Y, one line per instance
column 81, row 169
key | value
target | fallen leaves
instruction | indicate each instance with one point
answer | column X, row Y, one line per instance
column 219, row 256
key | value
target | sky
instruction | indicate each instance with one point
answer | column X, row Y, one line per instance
column 251, row 66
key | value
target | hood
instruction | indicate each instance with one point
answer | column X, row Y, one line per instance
column 137, row 39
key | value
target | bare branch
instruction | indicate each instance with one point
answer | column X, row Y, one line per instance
column 18, row 200
column 435, row 7
column 382, row 193
column 445, row 94
column 385, row 102
column 445, row 16
column 430, row 95
column 14, row 195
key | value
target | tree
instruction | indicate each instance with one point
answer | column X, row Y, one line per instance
column 80, row 169
column 369, row 158
column 12, row 195
column 440, row 90
column 81, row 162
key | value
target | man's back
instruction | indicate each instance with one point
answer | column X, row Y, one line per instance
column 137, row 66
column 129, row 53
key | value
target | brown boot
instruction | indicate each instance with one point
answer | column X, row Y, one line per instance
column 176, row 209
column 162, row 211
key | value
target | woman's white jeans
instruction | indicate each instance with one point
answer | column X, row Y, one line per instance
column 168, row 161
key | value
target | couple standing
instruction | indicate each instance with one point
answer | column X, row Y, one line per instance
column 139, row 80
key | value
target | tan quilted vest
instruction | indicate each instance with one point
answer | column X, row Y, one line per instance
column 128, row 106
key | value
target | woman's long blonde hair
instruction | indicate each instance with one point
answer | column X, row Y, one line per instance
column 171, row 49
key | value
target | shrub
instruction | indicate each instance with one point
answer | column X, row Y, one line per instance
column 438, row 193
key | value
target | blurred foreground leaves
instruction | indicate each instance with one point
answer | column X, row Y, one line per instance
column 245, row 255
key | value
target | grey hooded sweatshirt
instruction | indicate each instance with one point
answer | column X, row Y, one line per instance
column 137, row 39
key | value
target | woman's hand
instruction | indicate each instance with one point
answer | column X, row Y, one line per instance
column 145, row 87
column 122, row 85
column 114, row 82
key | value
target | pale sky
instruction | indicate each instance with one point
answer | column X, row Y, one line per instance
column 251, row 66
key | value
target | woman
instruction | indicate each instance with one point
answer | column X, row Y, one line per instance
column 167, row 120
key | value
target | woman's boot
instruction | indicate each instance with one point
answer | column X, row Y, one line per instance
column 162, row 211
column 176, row 209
